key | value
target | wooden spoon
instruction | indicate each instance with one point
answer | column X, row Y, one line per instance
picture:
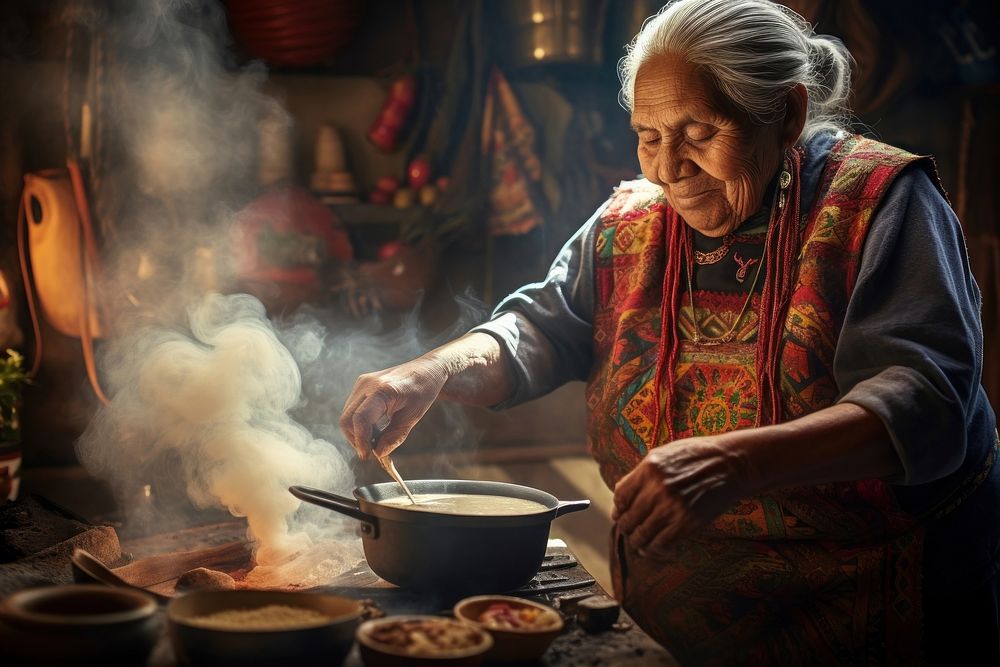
column 88, row 568
column 390, row 468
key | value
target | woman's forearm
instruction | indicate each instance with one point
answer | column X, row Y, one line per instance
column 841, row 443
column 476, row 369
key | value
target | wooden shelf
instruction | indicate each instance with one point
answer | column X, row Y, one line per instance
column 371, row 225
column 362, row 213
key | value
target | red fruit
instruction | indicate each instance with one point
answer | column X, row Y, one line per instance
column 383, row 136
column 419, row 172
column 379, row 197
column 404, row 89
column 388, row 249
column 394, row 116
column 387, row 184
column 384, row 131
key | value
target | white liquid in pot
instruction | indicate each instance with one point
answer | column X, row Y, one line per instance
column 467, row 503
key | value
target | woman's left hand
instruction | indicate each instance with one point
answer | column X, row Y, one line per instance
column 678, row 488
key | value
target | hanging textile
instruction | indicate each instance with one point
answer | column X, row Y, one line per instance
column 508, row 141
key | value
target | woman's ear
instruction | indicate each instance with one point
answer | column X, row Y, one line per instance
column 796, row 108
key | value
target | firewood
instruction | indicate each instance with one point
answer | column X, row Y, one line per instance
column 165, row 567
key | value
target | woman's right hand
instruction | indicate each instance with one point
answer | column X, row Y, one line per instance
column 402, row 393
column 473, row 368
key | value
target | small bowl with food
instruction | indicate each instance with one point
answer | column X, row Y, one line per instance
column 78, row 624
column 261, row 627
column 522, row 629
column 421, row 641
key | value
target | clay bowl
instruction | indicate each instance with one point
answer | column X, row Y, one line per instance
column 512, row 645
column 375, row 653
column 78, row 624
column 198, row 641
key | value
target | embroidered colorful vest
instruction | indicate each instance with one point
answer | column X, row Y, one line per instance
column 717, row 598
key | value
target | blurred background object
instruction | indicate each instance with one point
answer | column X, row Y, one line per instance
column 13, row 378
column 294, row 33
column 10, row 331
column 553, row 31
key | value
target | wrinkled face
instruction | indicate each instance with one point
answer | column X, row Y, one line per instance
column 712, row 162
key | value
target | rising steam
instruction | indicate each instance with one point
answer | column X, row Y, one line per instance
column 216, row 401
column 213, row 405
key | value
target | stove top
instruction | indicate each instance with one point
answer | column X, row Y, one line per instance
column 558, row 573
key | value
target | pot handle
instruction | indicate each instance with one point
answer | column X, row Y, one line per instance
column 567, row 506
column 331, row 501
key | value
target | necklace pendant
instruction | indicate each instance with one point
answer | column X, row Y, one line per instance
column 714, row 256
column 741, row 273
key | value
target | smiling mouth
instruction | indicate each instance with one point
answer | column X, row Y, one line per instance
column 688, row 198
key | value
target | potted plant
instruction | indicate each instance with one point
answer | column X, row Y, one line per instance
column 13, row 377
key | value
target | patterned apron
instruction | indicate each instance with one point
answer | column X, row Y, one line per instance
column 826, row 574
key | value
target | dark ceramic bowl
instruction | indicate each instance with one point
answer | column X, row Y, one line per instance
column 378, row 654
column 78, row 624
column 196, row 644
column 512, row 645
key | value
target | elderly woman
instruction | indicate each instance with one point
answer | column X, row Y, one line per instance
column 781, row 339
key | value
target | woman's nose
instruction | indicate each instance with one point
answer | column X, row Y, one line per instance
column 671, row 164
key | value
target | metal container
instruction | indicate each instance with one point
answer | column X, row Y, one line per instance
column 553, row 31
column 449, row 553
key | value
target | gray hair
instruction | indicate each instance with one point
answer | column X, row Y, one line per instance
column 755, row 51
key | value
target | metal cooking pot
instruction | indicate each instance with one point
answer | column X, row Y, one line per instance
column 448, row 553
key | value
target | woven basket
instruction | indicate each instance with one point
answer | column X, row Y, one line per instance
column 294, row 33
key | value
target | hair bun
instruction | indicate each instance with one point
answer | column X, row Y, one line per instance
column 830, row 62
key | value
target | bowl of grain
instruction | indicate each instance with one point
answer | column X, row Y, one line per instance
column 421, row 641
column 261, row 627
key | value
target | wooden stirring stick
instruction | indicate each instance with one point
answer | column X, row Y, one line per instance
column 390, row 468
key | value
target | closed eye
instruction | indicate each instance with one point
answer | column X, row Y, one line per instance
column 649, row 138
column 699, row 132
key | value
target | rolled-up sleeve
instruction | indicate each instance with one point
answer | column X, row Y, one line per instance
column 910, row 350
column 546, row 328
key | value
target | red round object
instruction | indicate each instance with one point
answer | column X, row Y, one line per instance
column 295, row 33
column 384, row 137
column 389, row 249
column 395, row 115
column 285, row 235
column 387, row 184
column 404, row 90
column 379, row 197
column 419, row 172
